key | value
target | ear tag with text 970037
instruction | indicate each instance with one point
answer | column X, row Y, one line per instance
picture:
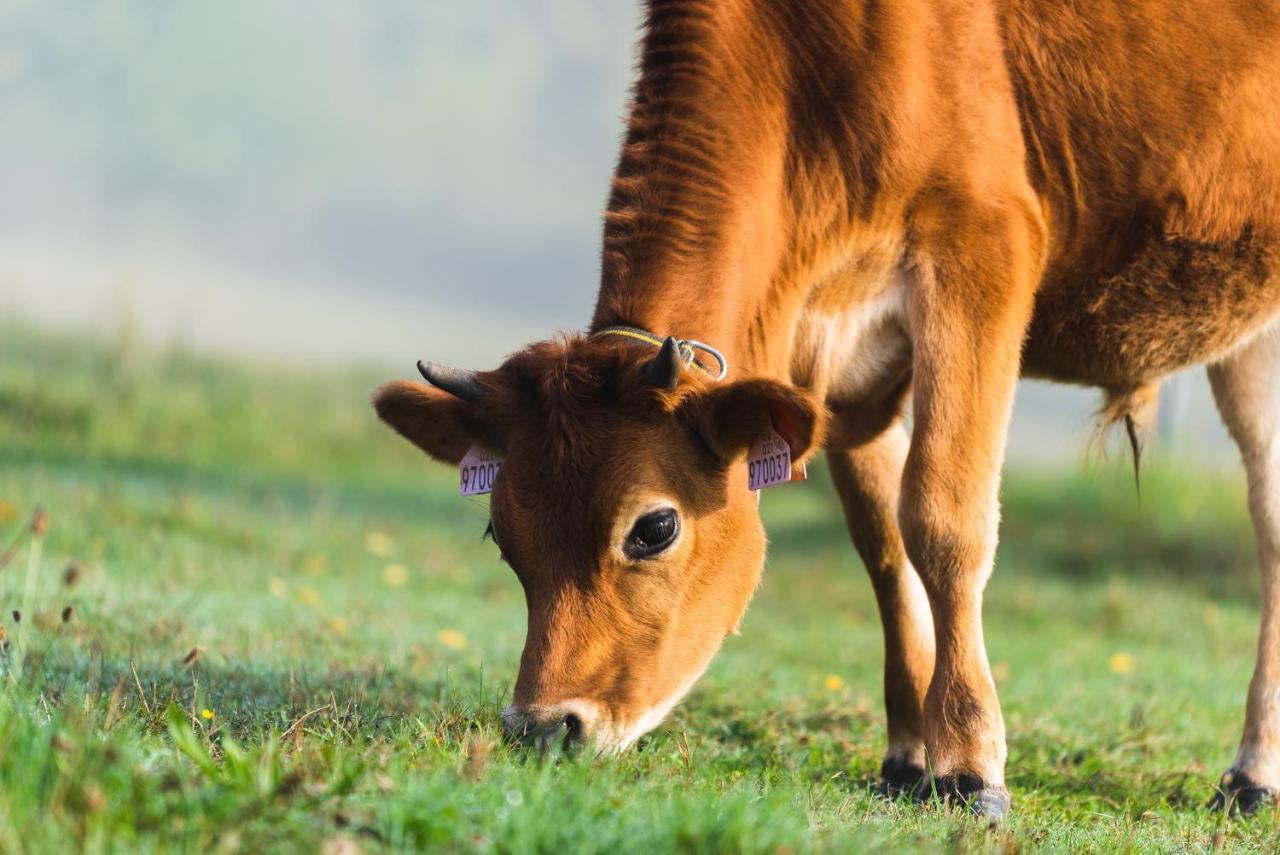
column 477, row 471
column 769, row 463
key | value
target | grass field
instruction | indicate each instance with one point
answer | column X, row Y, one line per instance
column 286, row 633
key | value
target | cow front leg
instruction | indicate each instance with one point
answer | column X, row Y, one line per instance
column 1247, row 389
column 868, row 479
column 969, row 312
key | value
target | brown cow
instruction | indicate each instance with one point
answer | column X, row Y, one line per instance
column 859, row 202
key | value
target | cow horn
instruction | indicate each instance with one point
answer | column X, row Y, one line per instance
column 459, row 382
column 664, row 370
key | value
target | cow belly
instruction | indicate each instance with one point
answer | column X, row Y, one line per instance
column 1175, row 304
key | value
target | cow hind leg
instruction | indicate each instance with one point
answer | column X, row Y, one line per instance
column 868, row 479
column 1246, row 386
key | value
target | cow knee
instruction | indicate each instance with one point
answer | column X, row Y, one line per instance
column 947, row 544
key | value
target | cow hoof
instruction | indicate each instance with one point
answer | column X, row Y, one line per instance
column 970, row 793
column 900, row 775
column 1238, row 793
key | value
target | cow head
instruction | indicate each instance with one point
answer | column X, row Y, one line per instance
column 623, row 508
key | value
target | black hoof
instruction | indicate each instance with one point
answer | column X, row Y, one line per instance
column 900, row 775
column 1238, row 793
column 970, row 793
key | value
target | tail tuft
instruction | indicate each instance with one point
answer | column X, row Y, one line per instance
column 1136, row 407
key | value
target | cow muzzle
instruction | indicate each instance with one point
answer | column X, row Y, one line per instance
column 551, row 731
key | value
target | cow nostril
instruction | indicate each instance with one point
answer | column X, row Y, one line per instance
column 561, row 734
column 516, row 727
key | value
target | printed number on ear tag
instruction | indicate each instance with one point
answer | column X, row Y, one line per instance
column 769, row 463
column 477, row 472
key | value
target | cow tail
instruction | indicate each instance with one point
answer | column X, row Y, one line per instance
column 1135, row 407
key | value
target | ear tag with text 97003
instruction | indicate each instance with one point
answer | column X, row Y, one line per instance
column 477, row 471
column 769, row 463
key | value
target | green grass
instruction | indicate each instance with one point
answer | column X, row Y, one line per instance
column 252, row 514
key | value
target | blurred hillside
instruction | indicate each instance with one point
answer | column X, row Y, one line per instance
column 455, row 154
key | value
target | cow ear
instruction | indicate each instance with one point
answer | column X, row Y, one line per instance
column 733, row 418
column 443, row 426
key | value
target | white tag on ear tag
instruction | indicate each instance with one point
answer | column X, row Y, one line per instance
column 769, row 462
column 477, row 472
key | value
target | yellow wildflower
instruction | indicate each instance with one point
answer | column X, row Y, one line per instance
column 277, row 587
column 834, row 683
column 338, row 625
column 452, row 639
column 395, row 575
column 379, row 544
column 1120, row 663
column 308, row 597
column 206, row 714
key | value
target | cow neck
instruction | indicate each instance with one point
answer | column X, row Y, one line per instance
column 718, row 278
column 719, row 317
column 700, row 239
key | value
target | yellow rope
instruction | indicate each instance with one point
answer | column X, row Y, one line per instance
column 686, row 348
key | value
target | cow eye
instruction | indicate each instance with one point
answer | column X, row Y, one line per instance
column 652, row 533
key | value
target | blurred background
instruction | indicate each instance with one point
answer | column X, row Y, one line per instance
column 363, row 184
